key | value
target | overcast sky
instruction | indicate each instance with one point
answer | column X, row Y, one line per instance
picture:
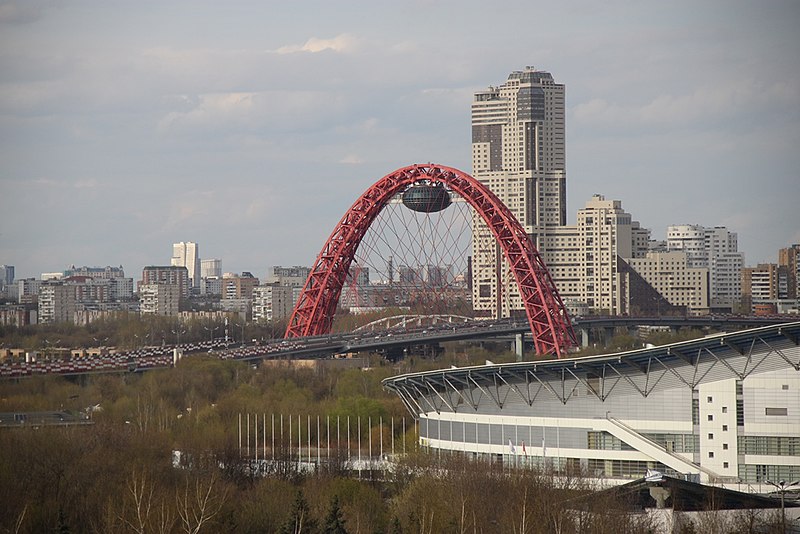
column 250, row 127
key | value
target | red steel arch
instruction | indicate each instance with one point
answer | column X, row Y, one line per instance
column 314, row 312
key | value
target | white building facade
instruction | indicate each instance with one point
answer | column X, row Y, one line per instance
column 717, row 250
column 722, row 409
column 187, row 254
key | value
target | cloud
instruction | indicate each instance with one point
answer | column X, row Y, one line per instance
column 341, row 43
column 351, row 159
column 278, row 110
column 14, row 13
column 704, row 107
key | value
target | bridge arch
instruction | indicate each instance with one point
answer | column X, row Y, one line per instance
column 548, row 319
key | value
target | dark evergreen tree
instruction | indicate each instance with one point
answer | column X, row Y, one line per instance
column 397, row 528
column 299, row 521
column 63, row 527
column 334, row 523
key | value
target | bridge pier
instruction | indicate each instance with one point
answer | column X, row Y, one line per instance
column 584, row 337
column 519, row 343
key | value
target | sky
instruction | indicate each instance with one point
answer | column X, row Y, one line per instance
column 250, row 127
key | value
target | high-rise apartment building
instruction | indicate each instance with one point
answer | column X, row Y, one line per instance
column 789, row 259
column 186, row 254
column 583, row 259
column 294, row 277
column 160, row 299
column 113, row 278
column 6, row 275
column 715, row 249
column 56, row 302
column 669, row 274
column 166, row 274
column 760, row 287
column 28, row 290
column 238, row 287
column 518, row 151
column 272, row 302
column 211, row 268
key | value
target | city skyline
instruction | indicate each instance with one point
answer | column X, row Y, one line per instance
column 221, row 127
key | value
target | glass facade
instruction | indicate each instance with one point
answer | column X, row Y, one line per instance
column 770, row 445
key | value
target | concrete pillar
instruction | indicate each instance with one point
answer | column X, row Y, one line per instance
column 518, row 345
column 584, row 337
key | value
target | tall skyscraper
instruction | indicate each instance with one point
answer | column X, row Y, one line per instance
column 186, row 254
column 518, row 151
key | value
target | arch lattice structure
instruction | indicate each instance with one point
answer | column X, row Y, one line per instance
column 548, row 319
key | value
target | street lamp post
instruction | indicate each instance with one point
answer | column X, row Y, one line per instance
column 178, row 331
column 782, row 487
column 211, row 332
column 49, row 344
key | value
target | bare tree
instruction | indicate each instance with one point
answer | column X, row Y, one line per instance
column 140, row 499
column 198, row 507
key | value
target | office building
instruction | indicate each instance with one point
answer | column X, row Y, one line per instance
column 518, row 152
column 186, row 254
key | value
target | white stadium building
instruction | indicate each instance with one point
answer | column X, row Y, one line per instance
column 724, row 409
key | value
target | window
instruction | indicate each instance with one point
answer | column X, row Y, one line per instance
column 710, row 435
column 776, row 411
column 709, row 399
column 724, row 409
column 725, row 465
column 724, row 428
column 710, row 454
column 785, row 387
column 724, row 446
column 710, row 417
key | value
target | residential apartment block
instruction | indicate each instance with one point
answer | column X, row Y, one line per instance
column 160, row 299
column 166, row 274
column 789, row 259
column 518, row 151
column 717, row 250
column 238, row 287
column 56, row 302
column 272, row 302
